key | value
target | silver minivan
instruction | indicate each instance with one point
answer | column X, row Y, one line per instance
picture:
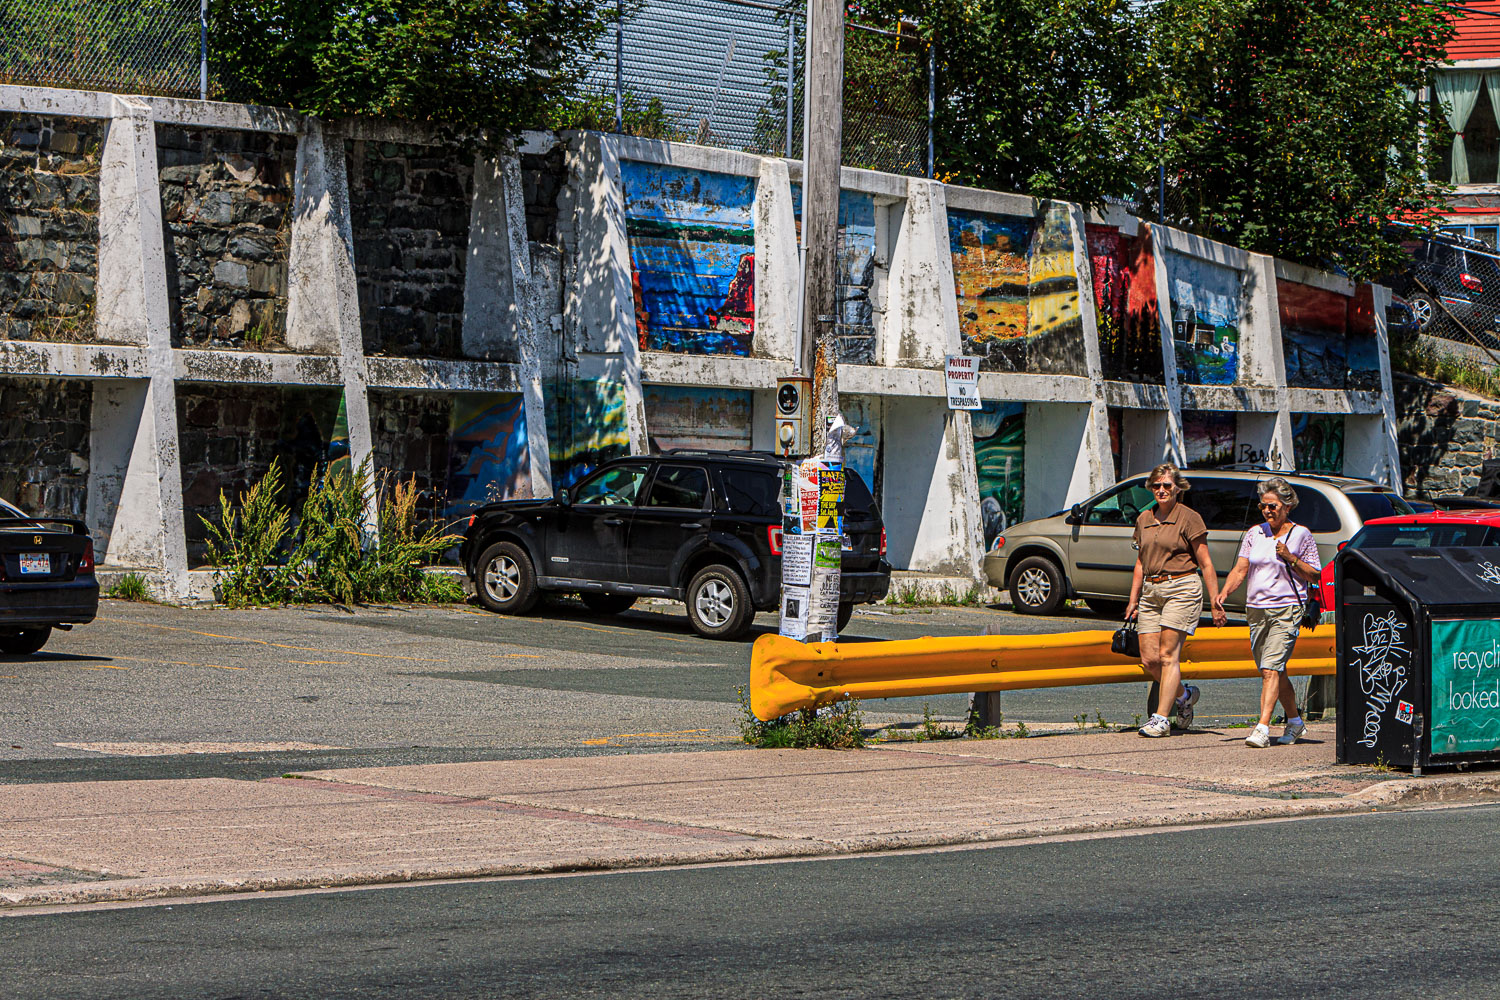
column 1088, row 552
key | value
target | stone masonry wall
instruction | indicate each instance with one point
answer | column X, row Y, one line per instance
column 228, row 440
column 410, row 432
column 44, row 459
column 1443, row 436
column 410, row 214
column 49, row 226
column 226, row 207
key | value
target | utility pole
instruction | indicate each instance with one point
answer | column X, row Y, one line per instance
column 822, row 145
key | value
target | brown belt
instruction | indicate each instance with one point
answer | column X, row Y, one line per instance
column 1164, row 577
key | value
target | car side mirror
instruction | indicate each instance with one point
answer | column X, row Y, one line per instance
column 1075, row 516
column 563, row 498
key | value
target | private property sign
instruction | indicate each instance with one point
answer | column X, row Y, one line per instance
column 963, row 383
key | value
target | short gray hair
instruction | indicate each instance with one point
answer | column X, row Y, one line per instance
column 1281, row 488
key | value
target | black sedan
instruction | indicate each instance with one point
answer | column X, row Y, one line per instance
column 46, row 578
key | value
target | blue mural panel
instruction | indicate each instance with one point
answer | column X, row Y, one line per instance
column 1205, row 319
column 488, row 456
column 692, row 258
column 855, row 269
column 860, row 451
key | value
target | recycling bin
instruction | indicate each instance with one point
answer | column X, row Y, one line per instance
column 1418, row 656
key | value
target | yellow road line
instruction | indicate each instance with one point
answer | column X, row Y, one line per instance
column 315, row 663
column 267, row 642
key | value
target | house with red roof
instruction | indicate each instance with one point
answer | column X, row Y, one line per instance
column 1468, row 94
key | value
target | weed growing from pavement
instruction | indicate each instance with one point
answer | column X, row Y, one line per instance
column 328, row 557
column 1381, row 765
column 914, row 596
column 974, row 731
column 442, row 588
column 131, row 587
column 835, row 727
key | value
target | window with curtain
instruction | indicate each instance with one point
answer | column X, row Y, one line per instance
column 1470, row 102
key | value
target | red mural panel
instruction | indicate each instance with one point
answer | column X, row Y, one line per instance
column 1125, row 301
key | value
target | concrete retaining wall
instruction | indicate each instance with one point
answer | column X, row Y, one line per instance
column 498, row 323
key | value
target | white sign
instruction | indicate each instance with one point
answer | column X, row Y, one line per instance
column 962, row 374
column 795, row 604
column 796, row 560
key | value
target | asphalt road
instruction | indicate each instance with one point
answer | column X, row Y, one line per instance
column 153, row 691
column 1367, row 906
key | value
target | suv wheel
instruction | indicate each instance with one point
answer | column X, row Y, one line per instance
column 506, row 579
column 718, row 603
column 1037, row 586
column 607, row 604
column 1424, row 310
column 25, row 643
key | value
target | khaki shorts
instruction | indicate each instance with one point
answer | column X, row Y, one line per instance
column 1174, row 604
column 1273, row 634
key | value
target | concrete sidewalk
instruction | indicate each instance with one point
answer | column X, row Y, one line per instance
column 120, row 840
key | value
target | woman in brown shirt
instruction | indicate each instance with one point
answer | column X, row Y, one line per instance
column 1166, row 593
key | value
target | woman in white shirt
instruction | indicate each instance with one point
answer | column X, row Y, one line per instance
column 1273, row 554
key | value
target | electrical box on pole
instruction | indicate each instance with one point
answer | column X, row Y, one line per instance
column 794, row 409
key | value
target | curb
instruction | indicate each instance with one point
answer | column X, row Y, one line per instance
column 1425, row 791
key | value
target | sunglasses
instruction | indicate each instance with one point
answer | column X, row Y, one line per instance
column 1270, row 506
column 1163, row 487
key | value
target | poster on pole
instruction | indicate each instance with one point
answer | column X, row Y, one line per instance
column 962, row 375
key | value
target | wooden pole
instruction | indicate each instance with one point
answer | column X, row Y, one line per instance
column 822, row 143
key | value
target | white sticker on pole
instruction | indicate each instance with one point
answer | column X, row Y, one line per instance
column 962, row 372
column 796, row 560
column 795, row 603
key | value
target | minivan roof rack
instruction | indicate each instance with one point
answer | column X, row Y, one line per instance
column 737, row 452
column 1242, row 467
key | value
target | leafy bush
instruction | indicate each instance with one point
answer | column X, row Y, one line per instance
column 328, row 557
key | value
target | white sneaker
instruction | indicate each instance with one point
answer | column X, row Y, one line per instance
column 1260, row 737
column 1293, row 733
column 1158, row 726
column 1184, row 706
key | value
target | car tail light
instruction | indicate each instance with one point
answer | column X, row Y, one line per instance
column 1341, row 546
column 1470, row 282
column 86, row 564
column 882, row 541
column 773, row 538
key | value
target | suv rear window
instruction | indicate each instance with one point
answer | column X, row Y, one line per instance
column 753, row 492
column 1370, row 505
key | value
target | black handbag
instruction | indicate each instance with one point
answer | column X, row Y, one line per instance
column 1126, row 641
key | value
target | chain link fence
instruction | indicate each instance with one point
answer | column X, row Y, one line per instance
column 1446, row 319
column 124, row 46
column 720, row 73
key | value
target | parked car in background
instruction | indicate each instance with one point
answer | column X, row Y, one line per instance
column 1089, row 552
column 701, row 527
column 1450, row 278
column 46, row 578
column 1439, row 529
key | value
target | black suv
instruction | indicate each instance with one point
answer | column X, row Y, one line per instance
column 702, row 527
column 1450, row 275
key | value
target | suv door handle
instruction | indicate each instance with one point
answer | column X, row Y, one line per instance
column 693, row 525
column 613, row 520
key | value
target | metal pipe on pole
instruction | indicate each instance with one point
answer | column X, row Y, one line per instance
column 822, row 144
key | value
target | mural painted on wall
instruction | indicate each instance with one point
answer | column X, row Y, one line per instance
column 1207, row 438
column 1318, row 442
column 863, row 414
column 1116, row 432
column 1205, row 319
column 692, row 258
column 1313, row 335
column 855, row 274
column 1363, row 354
column 1000, row 455
column 1125, row 302
column 488, row 457
column 1017, row 290
column 586, row 425
column 680, row 416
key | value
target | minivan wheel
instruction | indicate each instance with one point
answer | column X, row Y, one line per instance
column 506, row 579
column 718, row 603
column 26, row 642
column 1037, row 586
column 607, row 604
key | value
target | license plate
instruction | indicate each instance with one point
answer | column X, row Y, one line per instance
column 36, row 562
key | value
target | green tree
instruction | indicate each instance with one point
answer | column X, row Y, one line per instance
column 1291, row 127
column 472, row 64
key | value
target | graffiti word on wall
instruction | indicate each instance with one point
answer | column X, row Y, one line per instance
column 1205, row 319
column 999, row 455
column 692, row 258
column 1380, row 660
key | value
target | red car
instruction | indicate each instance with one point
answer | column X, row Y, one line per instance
column 1436, row 529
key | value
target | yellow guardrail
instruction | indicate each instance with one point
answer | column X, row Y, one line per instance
column 786, row 675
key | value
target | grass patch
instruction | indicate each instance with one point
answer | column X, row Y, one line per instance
column 1419, row 357
column 131, row 587
column 442, row 588
column 911, row 595
column 835, row 727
